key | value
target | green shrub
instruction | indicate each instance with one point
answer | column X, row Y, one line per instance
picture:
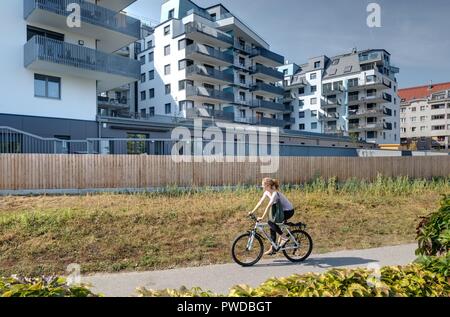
column 41, row 287
column 436, row 264
column 409, row 281
column 433, row 233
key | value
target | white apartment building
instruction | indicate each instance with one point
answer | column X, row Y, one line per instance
column 56, row 71
column 425, row 116
column 205, row 62
column 353, row 94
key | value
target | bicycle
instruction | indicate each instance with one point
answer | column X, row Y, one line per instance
column 297, row 249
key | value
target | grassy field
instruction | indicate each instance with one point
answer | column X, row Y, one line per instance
column 110, row 233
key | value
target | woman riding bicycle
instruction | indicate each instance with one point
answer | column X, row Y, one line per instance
column 279, row 204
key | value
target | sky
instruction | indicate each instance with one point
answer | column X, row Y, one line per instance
column 415, row 32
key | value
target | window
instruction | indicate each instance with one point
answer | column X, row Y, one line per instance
column 151, row 111
column 413, row 119
column 186, row 104
column 143, row 113
column 149, row 44
column 301, row 104
column 348, row 69
column 142, row 59
column 171, row 14
column 403, row 120
column 167, row 89
column 183, row 84
column 301, row 114
column 242, row 96
column 413, row 109
column 301, row 90
column 314, row 114
column 47, row 86
column 167, row 70
column 336, row 61
column 313, row 89
column 317, row 65
column 143, row 78
column 313, row 76
column 413, row 129
column 313, row 101
column 242, row 61
column 151, row 57
column 423, row 128
column 423, row 108
column 166, row 50
column 301, row 126
column 423, row 118
column 285, row 72
column 242, row 113
column 353, row 82
column 143, row 95
column 242, row 79
column 168, row 108
column 167, row 30
column 314, row 126
column 151, row 75
column 181, row 44
column 183, row 64
column 438, row 117
column 151, row 93
column 33, row 31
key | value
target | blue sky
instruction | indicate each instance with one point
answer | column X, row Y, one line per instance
column 415, row 32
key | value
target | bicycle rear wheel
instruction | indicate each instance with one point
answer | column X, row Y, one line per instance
column 247, row 249
column 299, row 250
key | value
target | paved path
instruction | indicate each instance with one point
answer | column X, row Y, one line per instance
column 220, row 278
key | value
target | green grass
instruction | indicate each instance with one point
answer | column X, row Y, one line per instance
column 179, row 228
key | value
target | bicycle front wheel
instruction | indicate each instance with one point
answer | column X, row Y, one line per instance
column 247, row 249
column 300, row 249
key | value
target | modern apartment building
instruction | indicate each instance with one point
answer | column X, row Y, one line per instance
column 206, row 63
column 425, row 116
column 353, row 94
column 57, row 69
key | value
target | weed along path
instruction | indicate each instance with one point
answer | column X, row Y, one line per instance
column 220, row 278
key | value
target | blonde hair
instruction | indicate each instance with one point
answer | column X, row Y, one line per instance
column 273, row 183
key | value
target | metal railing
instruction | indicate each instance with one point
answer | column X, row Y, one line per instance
column 212, row 114
column 113, row 103
column 58, row 52
column 209, row 93
column 365, row 126
column 266, row 104
column 268, row 88
column 260, row 51
column 208, row 72
column 260, row 69
column 90, row 13
column 194, row 27
column 202, row 49
column 365, row 112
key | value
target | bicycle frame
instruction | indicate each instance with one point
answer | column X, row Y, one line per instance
column 259, row 230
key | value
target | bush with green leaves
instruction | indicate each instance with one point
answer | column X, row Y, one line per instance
column 436, row 264
column 41, row 287
column 433, row 233
column 409, row 281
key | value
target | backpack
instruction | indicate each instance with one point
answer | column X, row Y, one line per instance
column 277, row 215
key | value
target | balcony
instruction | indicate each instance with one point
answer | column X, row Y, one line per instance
column 267, row 90
column 332, row 129
column 203, row 94
column 244, row 49
column 202, row 33
column 332, row 91
column 198, row 72
column 378, row 84
column 270, row 105
column 370, row 58
column 113, row 104
column 113, row 30
column 52, row 56
column 208, row 55
column 209, row 114
column 333, row 116
column 266, row 57
column 359, row 127
column 266, row 73
column 331, row 103
column 117, row 5
column 378, row 112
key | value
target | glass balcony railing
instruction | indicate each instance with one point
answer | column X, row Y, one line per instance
column 266, row 104
column 194, row 27
column 207, row 113
column 208, row 51
column 267, row 54
column 260, row 69
column 268, row 88
column 192, row 91
column 208, row 72
column 40, row 48
column 90, row 13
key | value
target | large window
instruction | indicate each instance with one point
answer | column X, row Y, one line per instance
column 151, row 75
column 47, row 86
column 167, row 70
column 168, row 108
column 151, row 92
column 167, row 30
column 166, row 50
column 168, row 89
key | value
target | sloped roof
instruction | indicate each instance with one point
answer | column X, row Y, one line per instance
column 421, row 92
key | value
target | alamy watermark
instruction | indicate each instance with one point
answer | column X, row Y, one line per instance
column 228, row 143
column 374, row 17
column 74, row 18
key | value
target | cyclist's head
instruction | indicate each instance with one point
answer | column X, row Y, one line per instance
column 270, row 183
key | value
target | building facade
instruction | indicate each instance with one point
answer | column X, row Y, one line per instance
column 57, row 69
column 425, row 117
column 206, row 63
column 353, row 94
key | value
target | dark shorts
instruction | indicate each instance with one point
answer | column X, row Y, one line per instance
column 288, row 214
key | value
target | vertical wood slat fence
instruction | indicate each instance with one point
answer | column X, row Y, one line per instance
column 83, row 172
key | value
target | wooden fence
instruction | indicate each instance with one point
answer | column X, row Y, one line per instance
column 81, row 172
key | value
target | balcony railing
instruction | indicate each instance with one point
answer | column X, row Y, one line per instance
column 260, row 69
column 194, row 27
column 268, row 88
column 207, row 113
column 368, row 84
column 90, row 13
column 209, row 93
column 366, row 112
column 40, row 48
column 112, row 103
column 266, row 104
column 369, row 57
column 267, row 54
column 332, row 91
column 365, row 126
column 208, row 51
column 329, row 116
column 208, row 72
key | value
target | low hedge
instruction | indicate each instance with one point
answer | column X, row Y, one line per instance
column 41, row 287
column 410, row 281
